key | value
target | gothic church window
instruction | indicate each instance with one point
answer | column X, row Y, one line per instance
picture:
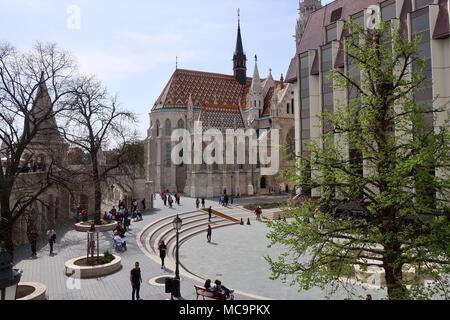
column 168, row 127
column 168, row 155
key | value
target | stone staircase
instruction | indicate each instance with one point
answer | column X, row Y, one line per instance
column 194, row 223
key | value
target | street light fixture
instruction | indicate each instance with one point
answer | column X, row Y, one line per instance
column 177, row 223
column 9, row 277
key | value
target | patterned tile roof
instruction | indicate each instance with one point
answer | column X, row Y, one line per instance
column 206, row 89
column 221, row 118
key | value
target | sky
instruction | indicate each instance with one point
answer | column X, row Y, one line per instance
column 131, row 46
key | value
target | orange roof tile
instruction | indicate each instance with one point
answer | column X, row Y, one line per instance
column 206, row 89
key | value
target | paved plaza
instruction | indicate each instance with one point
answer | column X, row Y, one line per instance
column 235, row 256
column 49, row 270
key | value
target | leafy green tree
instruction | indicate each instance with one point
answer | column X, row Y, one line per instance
column 386, row 155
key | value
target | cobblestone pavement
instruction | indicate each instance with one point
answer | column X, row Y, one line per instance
column 49, row 270
column 236, row 256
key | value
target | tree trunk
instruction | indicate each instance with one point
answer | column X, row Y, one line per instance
column 5, row 224
column 393, row 267
column 97, row 191
column 394, row 282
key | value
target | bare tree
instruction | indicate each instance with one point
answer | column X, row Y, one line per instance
column 33, row 86
column 95, row 121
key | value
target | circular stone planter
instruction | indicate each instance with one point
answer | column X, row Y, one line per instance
column 159, row 281
column 31, row 291
column 104, row 227
column 91, row 271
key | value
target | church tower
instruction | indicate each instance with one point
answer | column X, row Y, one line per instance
column 239, row 58
column 306, row 7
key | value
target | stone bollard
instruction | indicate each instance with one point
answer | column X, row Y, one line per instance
column 248, row 221
column 242, row 221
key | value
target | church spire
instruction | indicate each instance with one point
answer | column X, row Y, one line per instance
column 42, row 109
column 256, row 81
column 239, row 58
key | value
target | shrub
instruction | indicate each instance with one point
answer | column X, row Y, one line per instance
column 107, row 258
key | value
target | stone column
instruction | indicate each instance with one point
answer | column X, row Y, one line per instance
column 149, row 191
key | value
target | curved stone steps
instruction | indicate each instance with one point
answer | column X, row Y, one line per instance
column 163, row 227
column 167, row 232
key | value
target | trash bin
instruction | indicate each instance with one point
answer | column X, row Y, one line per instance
column 173, row 286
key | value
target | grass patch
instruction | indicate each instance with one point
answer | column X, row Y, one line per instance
column 271, row 205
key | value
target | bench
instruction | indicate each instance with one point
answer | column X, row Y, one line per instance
column 201, row 291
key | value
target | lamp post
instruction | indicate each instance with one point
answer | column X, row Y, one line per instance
column 9, row 277
column 177, row 223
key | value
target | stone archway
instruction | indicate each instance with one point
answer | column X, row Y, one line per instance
column 263, row 183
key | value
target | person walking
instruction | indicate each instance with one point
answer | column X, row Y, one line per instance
column 32, row 237
column 203, row 202
column 162, row 252
column 136, row 280
column 143, row 204
column 170, row 200
column 208, row 233
column 164, row 197
column 209, row 213
column 197, row 203
column 51, row 237
column 258, row 212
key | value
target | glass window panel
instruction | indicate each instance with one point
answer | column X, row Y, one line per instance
column 306, row 134
column 331, row 33
column 327, row 99
column 423, row 3
column 305, row 124
column 358, row 18
column 420, row 21
column 388, row 11
column 168, row 154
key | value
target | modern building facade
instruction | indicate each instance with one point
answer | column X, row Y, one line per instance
column 319, row 50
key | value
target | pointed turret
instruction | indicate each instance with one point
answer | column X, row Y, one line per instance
column 42, row 112
column 47, row 145
column 239, row 58
column 256, row 80
column 256, row 94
